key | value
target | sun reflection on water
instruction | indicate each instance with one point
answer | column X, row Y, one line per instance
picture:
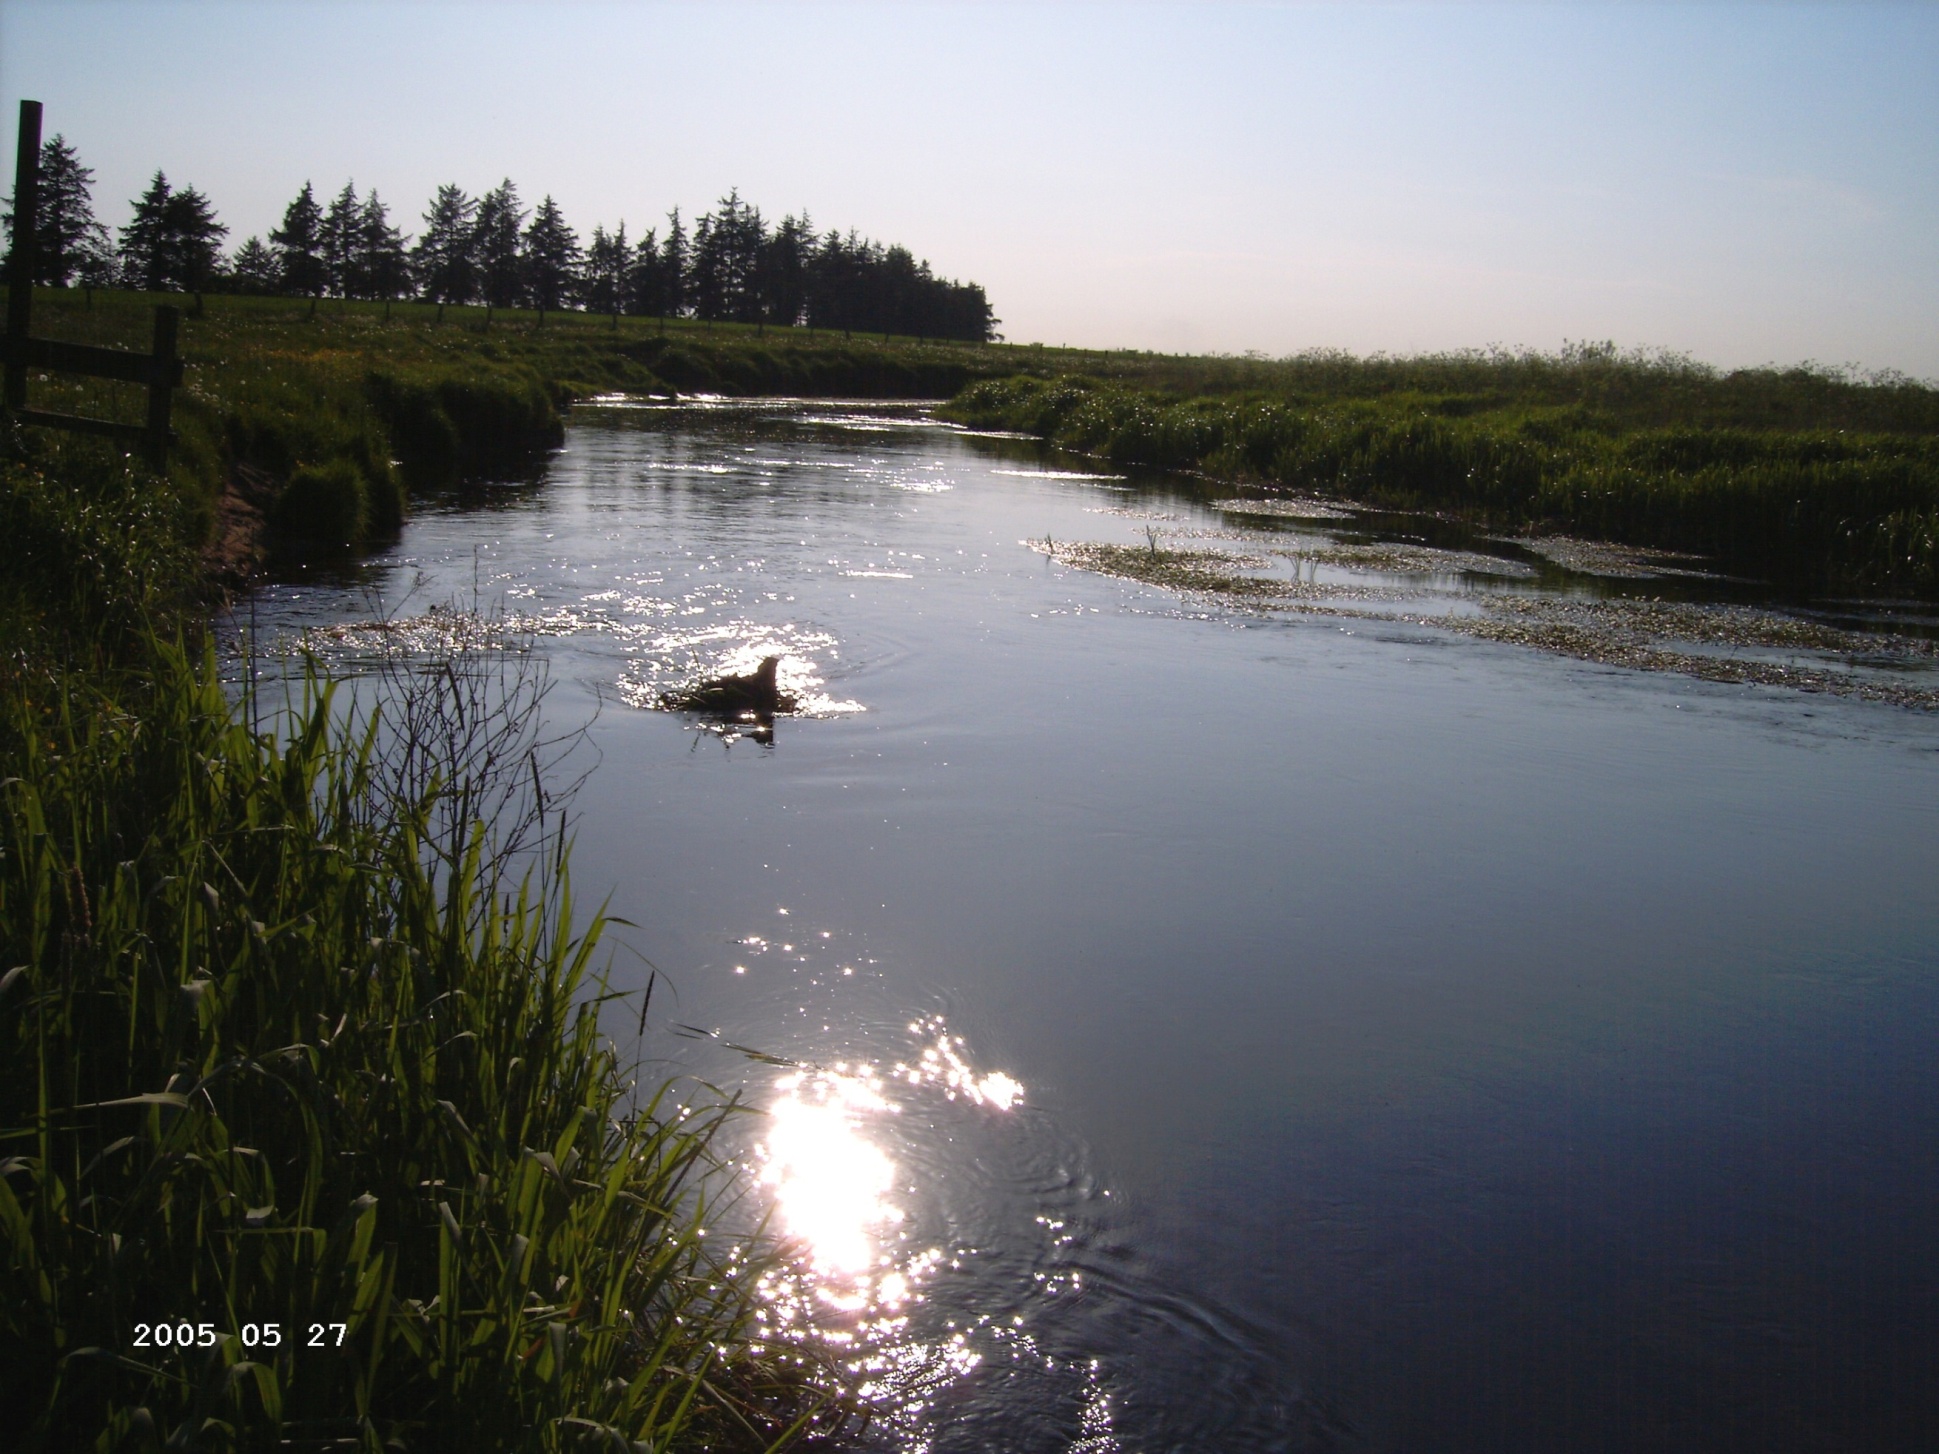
column 861, row 1275
column 831, row 1182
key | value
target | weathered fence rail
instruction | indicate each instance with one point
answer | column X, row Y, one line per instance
column 159, row 370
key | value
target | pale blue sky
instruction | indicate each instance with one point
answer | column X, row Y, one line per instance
column 1746, row 183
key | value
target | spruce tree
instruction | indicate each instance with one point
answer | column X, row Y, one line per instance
column 781, row 279
column 741, row 235
column 66, row 234
column 173, row 242
column 675, row 269
column 726, row 262
column 381, row 265
column 337, row 243
column 100, row 266
column 144, row 253
column 298, row 246
column 642, row 292
column 255, row 271
column 445, row 260
column 499, row 254
column 550, row 253
column 194, row 241
column 602, row 285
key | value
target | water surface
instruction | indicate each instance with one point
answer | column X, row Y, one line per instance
column 1217, row 1028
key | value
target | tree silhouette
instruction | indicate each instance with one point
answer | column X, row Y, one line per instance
column 675, row 256
column 500, row 257
column 551, row 256
column 173, row 242
column 337, row 243
column 723, row 274
column 66, row 234
column 194, row 241
column 603, row 282
column 782, row 273
column 382, row 268
column 143, row 249
column 643, row 293
column 445, row 259
column 856, row 284
column 255, row 271
column 298, row 245
column 732, row 266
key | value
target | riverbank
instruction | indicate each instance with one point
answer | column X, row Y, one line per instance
column 1816, row 483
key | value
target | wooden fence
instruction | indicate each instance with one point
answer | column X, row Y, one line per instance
column 159, row 370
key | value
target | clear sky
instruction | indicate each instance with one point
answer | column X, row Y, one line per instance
column 1745, row 183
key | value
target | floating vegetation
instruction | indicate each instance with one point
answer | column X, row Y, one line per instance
column 1718, row 644
column 1288, row 507
column 1399, row 558
column 1080, row 476
column 1197, row 572
column 1714, row 642
column 1618, row 562
column 438, row 631
column 1127, row 512
column 1210, row 571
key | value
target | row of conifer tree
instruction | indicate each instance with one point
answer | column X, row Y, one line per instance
column 731, row 265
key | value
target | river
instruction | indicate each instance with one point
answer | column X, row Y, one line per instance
column 1218, row 1024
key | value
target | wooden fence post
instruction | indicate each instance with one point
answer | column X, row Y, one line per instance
column 22, row 263
column 159, row 371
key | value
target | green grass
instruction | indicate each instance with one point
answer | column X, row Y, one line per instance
column 1632, row 389
column 96, row 548
column 1818, row 483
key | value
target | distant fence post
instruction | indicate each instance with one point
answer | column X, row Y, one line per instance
column 22, row 262
column 160, row 370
